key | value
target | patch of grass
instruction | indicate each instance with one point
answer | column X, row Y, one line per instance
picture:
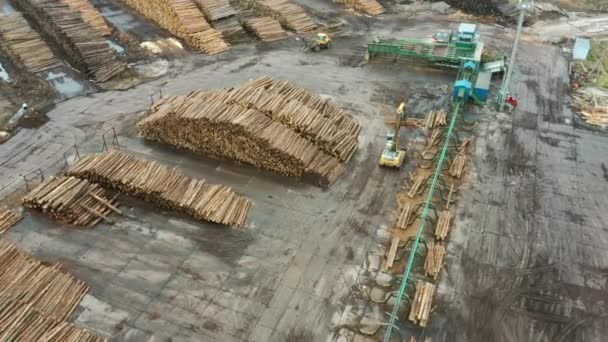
column 598, row 61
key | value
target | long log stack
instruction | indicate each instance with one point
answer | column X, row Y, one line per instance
column 166, row 187
column 421, row 306
column 266, row 28
column 91, row 15
column 25, row 45
column 85, row 48
column 8, row 218
column 71, row 200
column 289, row 14
column 223, row 17
column 36, row 299
column 434, row 260
column 216, row 9
column 185, row 20
column 272, row 125
column 371, row 7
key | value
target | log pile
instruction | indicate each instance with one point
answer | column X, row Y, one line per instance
column 443, row 225
column 403, row 220
column 266, row 28
column 421, row 306
column 166, row 187
column 232, row 30
column 185, row 20
column 51, row 291
column 435, row 118
column 272, row 125
column 71, row 200
column 36, row 299
column 25, row 44
column 85, row 48
column 371, row 7
column 290, row 15
column 216, row 9
column 434, row 260
column 8, row 218
column 90, row 15
column 592, row 105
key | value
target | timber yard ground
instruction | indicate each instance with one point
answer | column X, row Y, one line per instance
column 527, row 257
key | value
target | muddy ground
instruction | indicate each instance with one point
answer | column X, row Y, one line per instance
column 528, row 257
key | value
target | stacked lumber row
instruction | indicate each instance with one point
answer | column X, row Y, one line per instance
column 204, row 121
column 166, row 187
column 231, row 29
column 71, row 200
column 371, row 7
column 85, row 48
column 8, row 218
column 314, row 117
column 434, row 260
column 90, row 15
column 266, row 28
column 443, row 225
column 27, row 280
column 185, row 20
column 22, row 322
column 421, row 306
column 25, row 44
column 289, row 14
column 435, row 118
column 216, row 9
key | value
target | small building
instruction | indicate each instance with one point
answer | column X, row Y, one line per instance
column 482, row 85
column 581, row 49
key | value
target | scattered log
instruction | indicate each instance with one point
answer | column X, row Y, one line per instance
column 435, row 118
column 266, row 28
column 371, row 7
column 70, row 200
column 403, row 221
column 185, row 20
column 91, row 15
column 416, row 187
column 166, row 187
column 443, row 225
column 85, row 49
column 8, row 218
column 434, row 260
column 25, row 45
column 289, row 14
column 421, row 306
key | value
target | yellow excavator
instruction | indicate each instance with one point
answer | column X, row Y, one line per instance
column 320, row 41
column 393, row 155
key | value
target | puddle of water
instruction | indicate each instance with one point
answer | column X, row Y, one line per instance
column 65, row 85
column 119, row 49
column 3, row 74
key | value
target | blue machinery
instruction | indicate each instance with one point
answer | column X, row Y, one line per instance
column 462, row 51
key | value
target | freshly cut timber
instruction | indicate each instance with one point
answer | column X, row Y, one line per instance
column 91, row 15
column 25, row 44
column 272, row 125
column 8, row 218
column 185, row 20
column 71, row 200
column 421, row 306
column 371, row 7
column 85, row 48
column 232, row 30
column 266, row 28
column 443, row 225
column 216, row 9
column 434, row 259
column 166, row 187
column 290, row 15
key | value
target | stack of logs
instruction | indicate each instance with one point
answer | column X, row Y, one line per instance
column 166, row 187
column 421, row 306
column 434, row 259
column 216, row 9
column 25, row 44
column 185, row 20
column 8, row 218
column 36, row 299
column 85, row 48
column 290, row 15
column 223, row 17
column 91, row 15
column 266, row 28
column 270, row 124
column 71, row 200
column 371, row 7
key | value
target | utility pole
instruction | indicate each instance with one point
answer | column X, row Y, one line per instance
column 523, row 5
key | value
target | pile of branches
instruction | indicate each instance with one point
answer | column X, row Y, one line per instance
column 290, row 15
column 166, row 187
column 592, row 105
column 266, row 28
column 25, row 44
column 185, row 20
column 270, row 124
column 91, row 15
column 85, row 48
column 371, row 7
column 71, row 200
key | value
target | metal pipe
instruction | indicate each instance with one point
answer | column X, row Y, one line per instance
column 505, row 86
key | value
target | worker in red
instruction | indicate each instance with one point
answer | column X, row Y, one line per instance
column 512, row 102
